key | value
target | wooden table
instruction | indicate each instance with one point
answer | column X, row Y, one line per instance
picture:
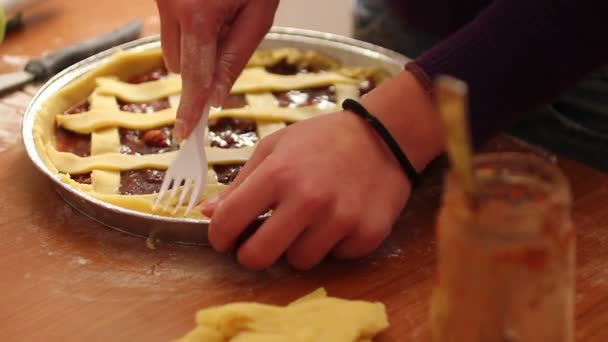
column 67, row 278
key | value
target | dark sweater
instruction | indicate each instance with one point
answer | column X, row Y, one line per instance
column 514, row 54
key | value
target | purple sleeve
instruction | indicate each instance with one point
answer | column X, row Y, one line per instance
column 518, row 54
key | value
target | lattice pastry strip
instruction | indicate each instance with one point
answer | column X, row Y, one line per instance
column 94, row 120
column 104, row 141
column 265, row 100
column 70, row 163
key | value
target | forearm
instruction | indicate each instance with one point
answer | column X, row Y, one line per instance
column 518, row 54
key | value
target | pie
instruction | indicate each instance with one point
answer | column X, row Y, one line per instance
column 109, row 132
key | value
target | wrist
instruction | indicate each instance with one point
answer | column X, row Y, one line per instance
column 389, row 140
column 406, row 109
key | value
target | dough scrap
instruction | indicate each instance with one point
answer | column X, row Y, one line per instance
column 312, row 318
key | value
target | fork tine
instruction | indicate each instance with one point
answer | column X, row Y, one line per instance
column 187, row 186
column 163, row 189
column 177, row 181
column 196, row 191
column 176, row 188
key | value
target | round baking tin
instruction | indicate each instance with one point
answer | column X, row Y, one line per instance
column 184, row 230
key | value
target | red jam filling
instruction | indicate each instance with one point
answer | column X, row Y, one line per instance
column 84, row 178
column 68, row 141
column 138, row 182
column 284, row 68
column 227, row 173
column 148, row 107
column 232, row 133
column 153, row 75
column 153, row 141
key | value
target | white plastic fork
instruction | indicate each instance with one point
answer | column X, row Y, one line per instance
column 189, row 167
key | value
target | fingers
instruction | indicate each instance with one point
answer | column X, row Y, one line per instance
column 376, row 217
column 262, row 150
column 169, row 36
column 245, row 203
column 314, row 244
column 275, row 235
column 245, row 34
column 362, row 241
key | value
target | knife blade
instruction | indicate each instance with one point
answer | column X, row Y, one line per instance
column 47, row 66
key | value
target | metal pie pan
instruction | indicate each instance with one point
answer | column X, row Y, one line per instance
column 174, row 229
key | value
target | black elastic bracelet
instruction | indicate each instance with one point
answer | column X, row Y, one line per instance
column 406, row 165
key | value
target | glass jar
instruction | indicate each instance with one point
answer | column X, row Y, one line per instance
column 506, row 259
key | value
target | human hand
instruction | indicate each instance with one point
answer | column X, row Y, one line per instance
column 209, row 42
column 333, row 185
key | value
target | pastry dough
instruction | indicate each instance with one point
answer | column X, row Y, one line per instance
column 94, row 120
column 144, row 92
column 313, row 318
column 106, row 86
column 71, row 163
column 259, row 80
